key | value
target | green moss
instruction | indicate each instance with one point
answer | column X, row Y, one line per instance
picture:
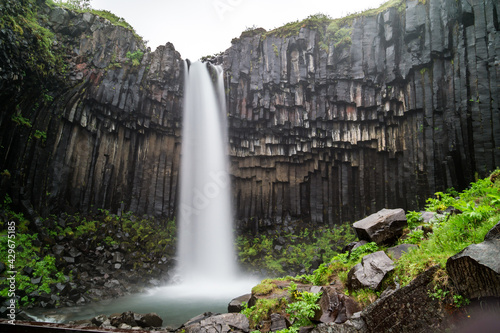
column 264, row 288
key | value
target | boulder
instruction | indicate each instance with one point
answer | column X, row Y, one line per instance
column 397, row 251
column 494, row 233
column 351, row 246
column 228, row 322
column 408, row 309
column 235, row 305
column 354, row 325
column 475, row 271
column 335, row 307
column 128, row 318
column 370, row 272
column 278, row 322
column 99, row 320
column 383, row 227
column 149, row 320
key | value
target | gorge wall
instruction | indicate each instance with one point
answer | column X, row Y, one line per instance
column 112, row 126
column 321, row 129
column 334, row 131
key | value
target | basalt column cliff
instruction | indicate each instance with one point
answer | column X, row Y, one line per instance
column 332, row 128
column 103, row 133
column 329, row 120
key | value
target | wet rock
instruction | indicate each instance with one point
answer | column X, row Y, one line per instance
column 229, row 322
column 69, row 260
column 74, row 253
column 382, row 227
column 28, row 270
column 306, row 329
column 370, row 272
column 475, row 271
column 235, row 305
column 58, row 250
column 99, row 320
column 278, row 322
column 397, row 251
column 128, row 318
column 149, row 320
column 335, row 307
column 36, row 280
column 408, row 309
column 494, row 233
column 353, row 245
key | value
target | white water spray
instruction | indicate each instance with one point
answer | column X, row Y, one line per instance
column 206, row 252
column 206, row 255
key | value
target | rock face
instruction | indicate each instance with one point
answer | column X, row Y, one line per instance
column 333, row 133
column 108, row 138
column 370, row 272
column 319, row 130
column 381, row 227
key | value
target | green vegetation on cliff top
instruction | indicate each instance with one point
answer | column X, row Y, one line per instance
column 336, row 32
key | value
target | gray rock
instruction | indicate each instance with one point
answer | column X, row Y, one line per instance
column 228, row 322
column 408, row 309
column 234, row 305
column 370, row 272
column 475, row 271
column 278, row 322
column 494, row 233
column 149, row 320
column 335, row 307
column 99, row 320
column 382, row 227
column 397, row 251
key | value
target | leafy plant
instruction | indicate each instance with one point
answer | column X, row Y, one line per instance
column 40, row 135
column 20, row 120
column 261, row 310
column 414, row 237
column 414, row 219
column 135, row 57
column 459, row 301
column 302, row 310
column 357, row 253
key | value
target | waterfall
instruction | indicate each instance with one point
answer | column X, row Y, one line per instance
column 205, row 248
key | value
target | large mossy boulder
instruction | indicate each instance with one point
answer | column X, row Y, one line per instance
column 383, row 227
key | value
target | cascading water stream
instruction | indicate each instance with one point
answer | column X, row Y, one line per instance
column 206, row 250
column 207, row 264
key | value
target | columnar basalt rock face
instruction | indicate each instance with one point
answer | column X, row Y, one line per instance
column 321, row 131
column 334, row 134
column 112, row 132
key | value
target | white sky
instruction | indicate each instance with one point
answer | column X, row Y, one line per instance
column 204, row 27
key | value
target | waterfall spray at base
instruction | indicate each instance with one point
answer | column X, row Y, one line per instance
column 206, row 249
column 208, row 277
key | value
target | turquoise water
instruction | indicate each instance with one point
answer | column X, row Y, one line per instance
column 174, row 304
